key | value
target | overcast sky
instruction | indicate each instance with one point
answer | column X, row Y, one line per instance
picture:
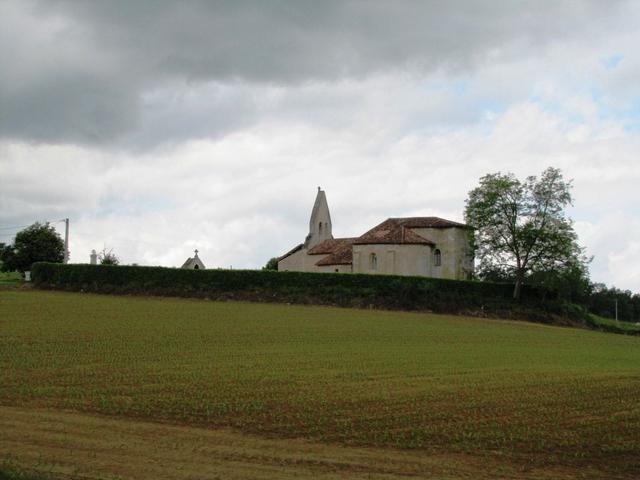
column 158, row 127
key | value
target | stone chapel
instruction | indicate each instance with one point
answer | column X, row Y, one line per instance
column 193, row 263
column 421, row 246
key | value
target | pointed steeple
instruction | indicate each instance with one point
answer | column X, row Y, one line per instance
column 320, row 221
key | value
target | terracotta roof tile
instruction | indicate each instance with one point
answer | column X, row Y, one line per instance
column 341, row 255
column 392, row 231
column 329, row 246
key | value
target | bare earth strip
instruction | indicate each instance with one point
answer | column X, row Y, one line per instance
column 78, row 445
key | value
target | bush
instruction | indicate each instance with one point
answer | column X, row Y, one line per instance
column 349, row 290
column 272, row 264
column 107, row 257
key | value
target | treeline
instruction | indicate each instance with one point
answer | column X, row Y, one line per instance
column 574, row 286
column 595, row 297
column 354, row 290
column 602, row 301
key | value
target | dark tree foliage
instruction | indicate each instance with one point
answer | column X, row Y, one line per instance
column 272, row 264
column 570, row 282
column 36, row 243
column 602, row 301
column 522, row 233
column 4, row 250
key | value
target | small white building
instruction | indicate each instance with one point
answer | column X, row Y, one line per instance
column 421, row 246
column 194, row 263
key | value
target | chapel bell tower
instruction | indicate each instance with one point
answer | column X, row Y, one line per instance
column 320, row 222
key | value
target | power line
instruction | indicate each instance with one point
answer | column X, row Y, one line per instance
column 10, row 231
column 116, row 242
column 13, row 227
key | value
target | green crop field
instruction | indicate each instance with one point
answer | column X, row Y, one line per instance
column 526, row 395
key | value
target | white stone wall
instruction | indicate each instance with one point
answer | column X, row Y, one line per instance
column 393, row 259
column 456, row 257
column 301, row 262
column 296, row 262
column 335, row 269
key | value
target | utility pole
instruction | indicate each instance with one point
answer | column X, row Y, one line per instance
column 66, row 240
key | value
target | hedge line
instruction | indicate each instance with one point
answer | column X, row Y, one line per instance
column 351, row 290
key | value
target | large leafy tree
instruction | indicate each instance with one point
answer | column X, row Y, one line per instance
column 522, row 231
column 36, row 243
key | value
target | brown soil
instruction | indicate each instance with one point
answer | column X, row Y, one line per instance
column 76, row 445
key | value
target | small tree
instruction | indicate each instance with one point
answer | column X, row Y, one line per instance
column 36, row 243
column 107, row 257
column 272, row 264
column 521, row 227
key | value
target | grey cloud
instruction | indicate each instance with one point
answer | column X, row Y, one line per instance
column 83, row 68
column 296, row 41
column 69, row 108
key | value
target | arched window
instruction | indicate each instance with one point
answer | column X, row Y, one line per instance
column 196, row 267
column 437, row 258
column 373, row 261
column 320, row 228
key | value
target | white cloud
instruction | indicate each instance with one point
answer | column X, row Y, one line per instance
column 613, row 241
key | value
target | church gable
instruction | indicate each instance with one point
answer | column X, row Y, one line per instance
column 295, row 249
column 193, row 263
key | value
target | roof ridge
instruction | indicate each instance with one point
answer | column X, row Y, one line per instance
column 392, row 231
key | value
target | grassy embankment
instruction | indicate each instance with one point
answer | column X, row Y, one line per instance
column 519, row 394
column 10, row 278
column 610, row 325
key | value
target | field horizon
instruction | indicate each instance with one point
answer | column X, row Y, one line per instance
column 513, row 396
